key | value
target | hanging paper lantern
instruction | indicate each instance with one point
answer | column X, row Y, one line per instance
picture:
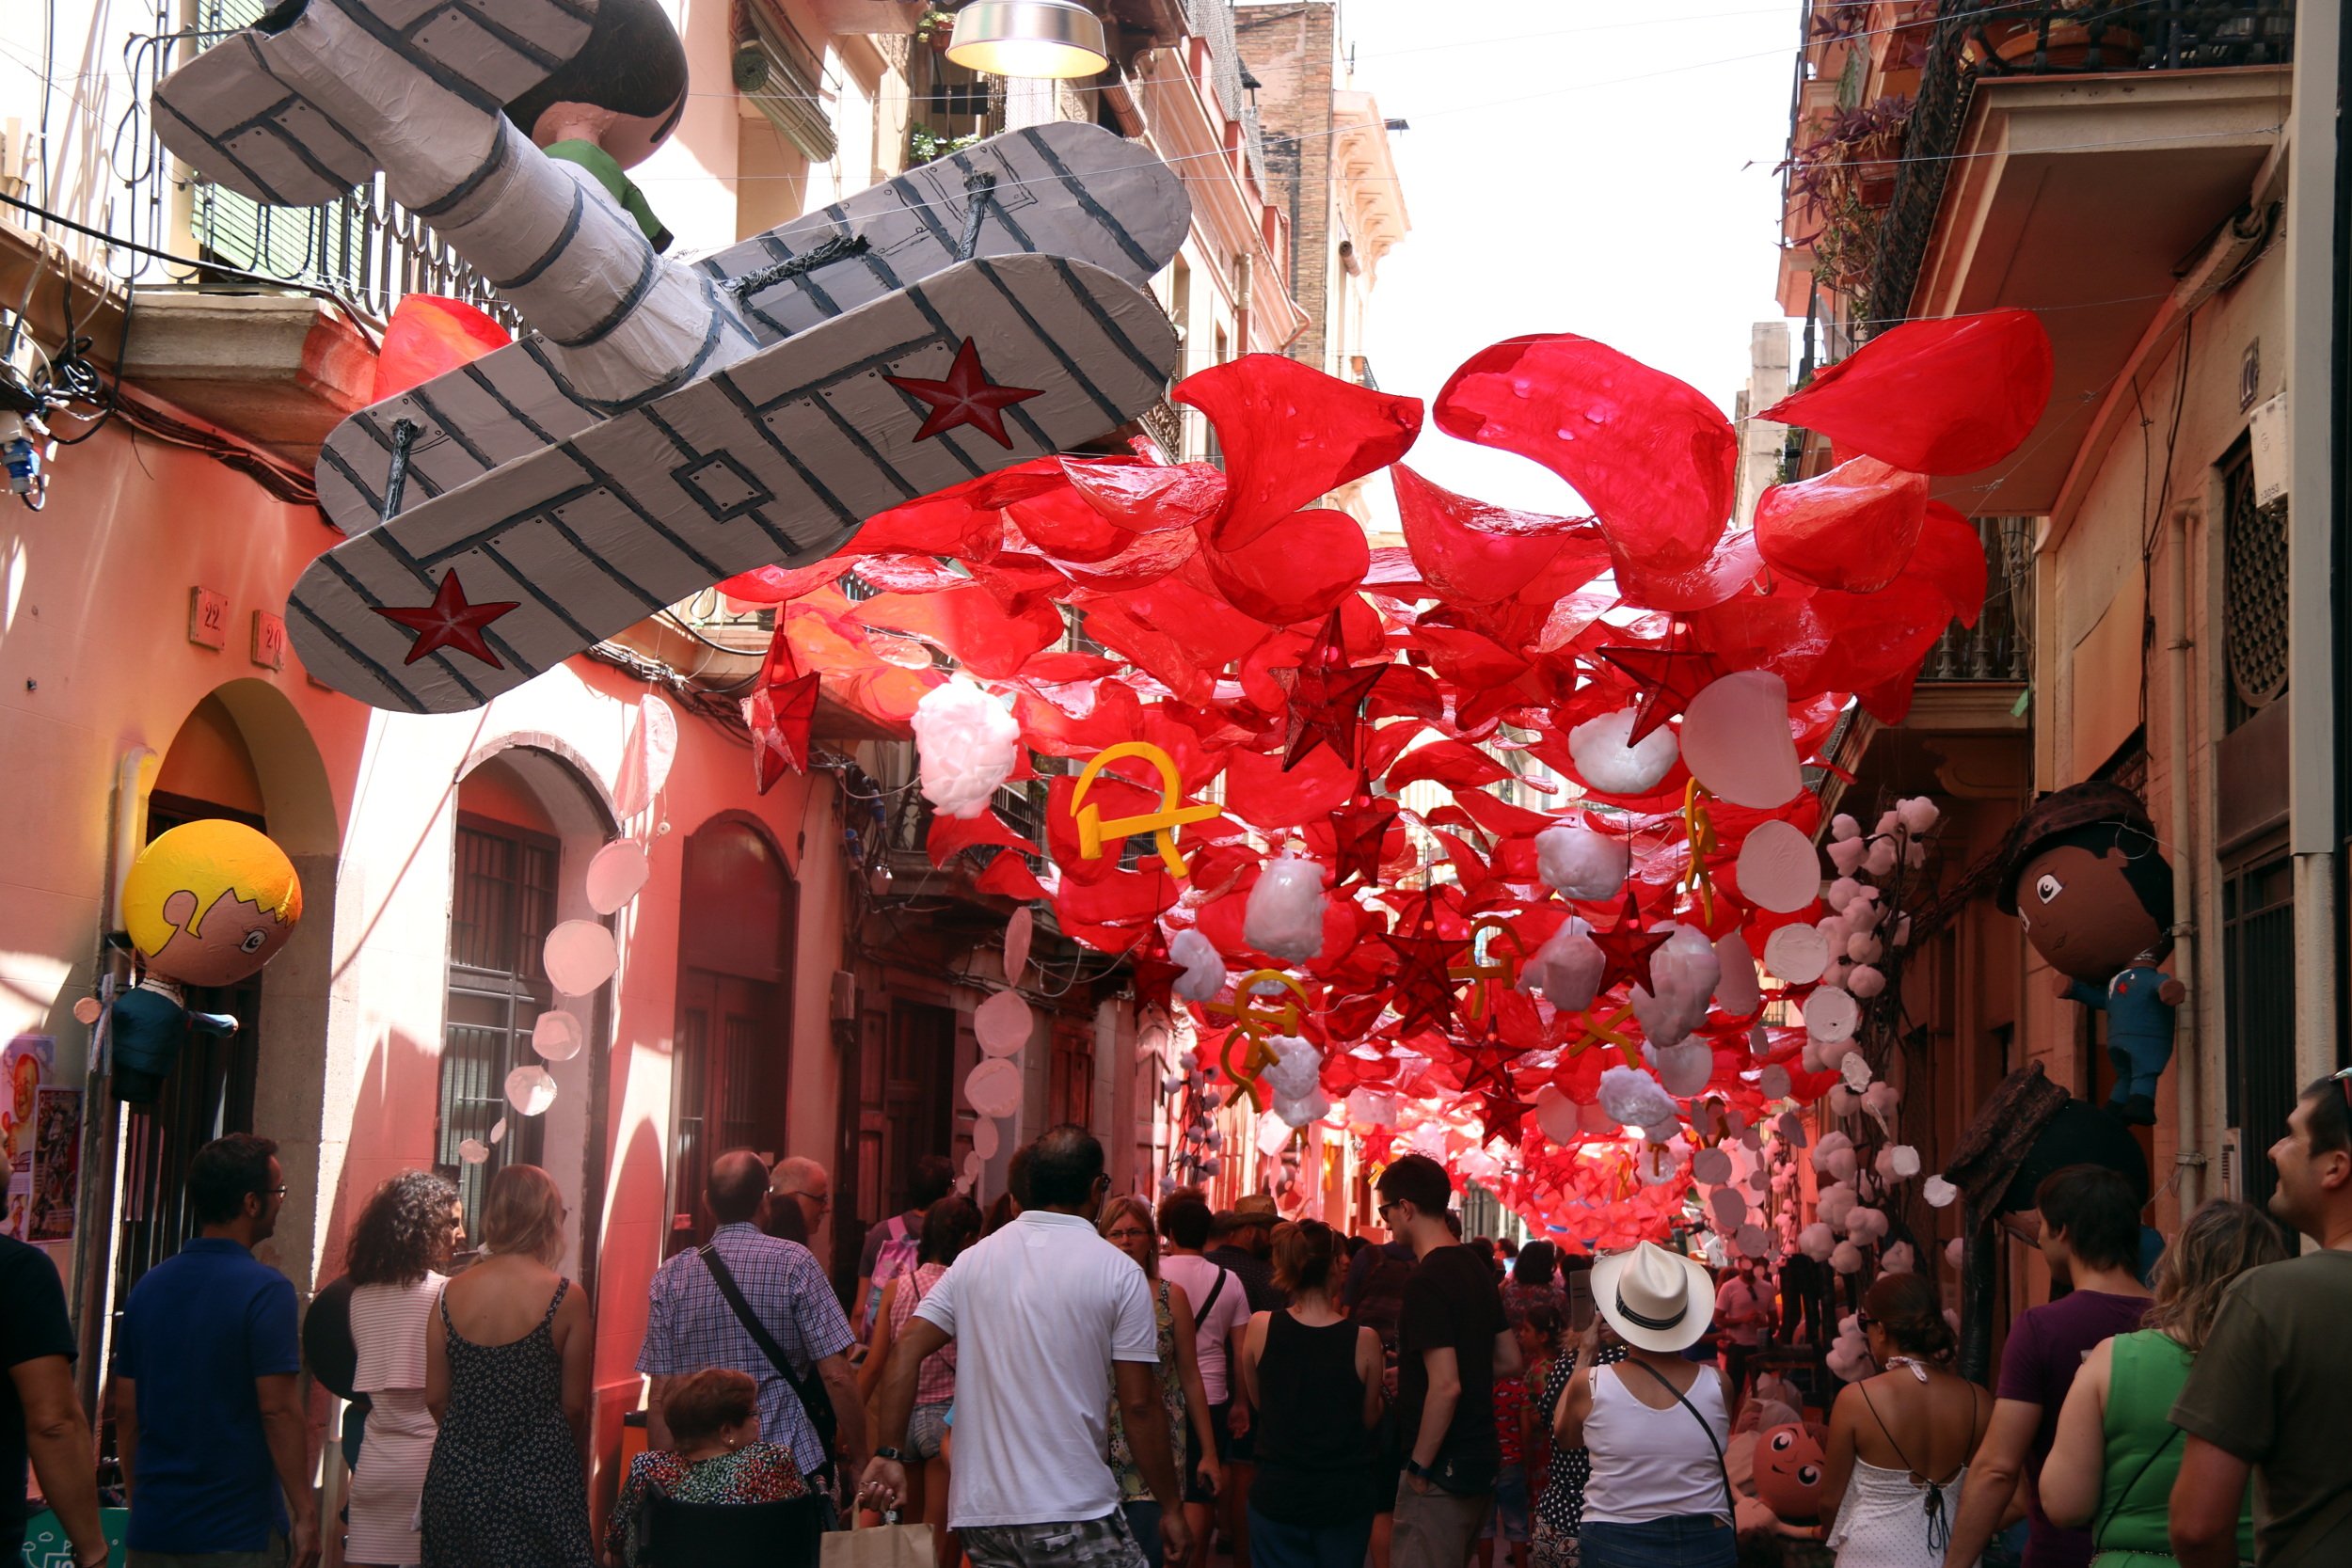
column 1284, row 915
column 1736, row 741
column 1611, row 766
column 1002, row 1024
column 578, row 955
column 967, row 744
column 1577, row 863
column 615, row 872
column 1777, row 868
column 557, row 1035
column 530, row 1090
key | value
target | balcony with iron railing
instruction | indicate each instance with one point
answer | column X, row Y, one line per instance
column 1973, row 42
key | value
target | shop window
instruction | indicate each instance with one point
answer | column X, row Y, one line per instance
column 501, row 907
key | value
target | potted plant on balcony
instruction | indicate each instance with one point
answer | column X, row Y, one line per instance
column 934, row 29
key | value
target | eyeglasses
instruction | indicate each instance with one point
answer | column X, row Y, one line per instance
column 822, row 1200
column 273, row 1191
column 1383, row 1210
column 1865, row 1321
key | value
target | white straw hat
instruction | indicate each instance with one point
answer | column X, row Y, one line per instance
column 1655, row 1299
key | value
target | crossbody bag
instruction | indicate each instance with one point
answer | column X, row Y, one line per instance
column 1731, row 1498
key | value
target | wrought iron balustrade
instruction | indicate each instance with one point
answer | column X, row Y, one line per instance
column 1999, row 646
column 1977, row 39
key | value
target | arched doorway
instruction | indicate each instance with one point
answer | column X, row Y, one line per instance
column 732, row 1067
column 208, row 771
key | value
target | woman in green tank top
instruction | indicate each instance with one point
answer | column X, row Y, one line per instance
column 2117, row 1450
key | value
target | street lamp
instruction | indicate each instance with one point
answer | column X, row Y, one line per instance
column 1029, row 38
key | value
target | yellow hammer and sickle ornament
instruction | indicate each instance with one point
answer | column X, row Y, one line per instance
column 1256, row 1018
column 1094, row 832
column 1498, row 966
column 1698, row 826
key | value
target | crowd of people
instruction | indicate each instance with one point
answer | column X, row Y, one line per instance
column 1089, row 1380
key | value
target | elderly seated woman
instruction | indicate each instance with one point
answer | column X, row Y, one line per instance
column 714, row 1422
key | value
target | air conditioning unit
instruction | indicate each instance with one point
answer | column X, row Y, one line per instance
column 844, row 996
column 2229, row 1166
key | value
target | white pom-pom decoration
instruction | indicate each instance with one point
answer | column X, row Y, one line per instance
column 1283, row 918
column 1938, row 1192
column 1611, row 767
column 1897, row 1259
column 1917, row 815
column 1736, row 741
column 1846, row 854
column 1204, row 966
column 967, row 743
column 1879, row 862
column 1837, row 1205
column 1682, row 976
column 1816, row 1241
column 1864, row 981
column 1578, row 863
column 1736, row 992
column 1847, row 1258
column 1833, row 1157
column 1880, row 1100
column 1566, row 968
column 1294, row 1072
column 1635, row 1099
column 1953, row 1250
column 1796, row 954
column 1896, row 1163
column 1855, row 1069
column 1867, row 1226
column 1843, row 1101
column 1841, row 893
column 1831, row 1015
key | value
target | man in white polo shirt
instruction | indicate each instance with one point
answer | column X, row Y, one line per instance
column 1049, row 1320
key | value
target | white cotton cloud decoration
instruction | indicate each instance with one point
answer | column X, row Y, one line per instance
column 1635, row 1099
column 1294, row 1076
column 1866, row 1227
column 1899, row 1258
column 1612, row 768
column 1816, row 1241
column 968, row 744
column 1917, row 815
column 1896, row 1163
column 1566, row 968
column 1847, row 1258
column 1283, row 918
column 1837, row 1205
column 1204, row 966
column 1683, row 974
column 1938, row 1192
column 1578, row 863
column 1833, row 1157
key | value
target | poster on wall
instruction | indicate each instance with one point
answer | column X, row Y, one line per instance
column 23, row 1066
column 57, row 1163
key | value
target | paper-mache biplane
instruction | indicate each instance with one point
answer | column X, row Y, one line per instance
column 666, row 424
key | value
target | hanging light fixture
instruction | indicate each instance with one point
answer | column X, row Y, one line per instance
column 1029, row 38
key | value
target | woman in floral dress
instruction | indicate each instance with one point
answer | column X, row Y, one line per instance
column 1127, row 1225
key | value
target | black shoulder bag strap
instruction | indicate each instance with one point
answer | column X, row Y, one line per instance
column 2124, row 1496
column 1731, row 1498
column 1200, row 1313
column 816, row 1402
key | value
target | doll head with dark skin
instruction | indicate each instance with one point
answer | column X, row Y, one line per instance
column 2088, row 879
column 625, row 90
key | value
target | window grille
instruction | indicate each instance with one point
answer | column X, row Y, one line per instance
column 500, row 910
column 2254, row 585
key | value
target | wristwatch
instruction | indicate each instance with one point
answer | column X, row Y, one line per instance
column 887, row 1451
column 1415, row 1467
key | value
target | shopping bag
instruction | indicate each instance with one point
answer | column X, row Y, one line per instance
column 878, row 1546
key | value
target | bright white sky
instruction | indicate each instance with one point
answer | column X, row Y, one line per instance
column 1596, row 166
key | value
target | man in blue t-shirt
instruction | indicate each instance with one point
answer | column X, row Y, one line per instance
column 208, row 1416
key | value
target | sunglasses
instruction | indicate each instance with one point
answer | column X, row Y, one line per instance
column 2343, row 1082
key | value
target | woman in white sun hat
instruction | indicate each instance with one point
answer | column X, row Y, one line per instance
column 1656, row 1423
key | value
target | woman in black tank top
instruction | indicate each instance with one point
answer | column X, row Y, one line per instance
column 1315, row 1378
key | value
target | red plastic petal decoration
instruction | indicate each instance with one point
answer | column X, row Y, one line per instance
column 1651, row 456
column 1061, row 524
column 971, row 625
column 1852, row 529
column 1299, row 570
column 1291, row 434
column 1474, row 553
column 1936, row 397
column 1261, row 792
column 1450, row 763
column 1144, row 499
column 428, row 335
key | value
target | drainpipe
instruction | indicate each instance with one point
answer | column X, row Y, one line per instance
column 2191, row 1160
column 2311, row 545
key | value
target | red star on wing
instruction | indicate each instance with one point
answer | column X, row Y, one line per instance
column 968, row 397
column 1423, row 990
column 450, row 622
column 1326, row 698
column 1627, row 948
column 1669, row 677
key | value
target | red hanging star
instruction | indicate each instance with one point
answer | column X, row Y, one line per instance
column 1668, row 676
column 1326, row 698
column 1501, row 1113
column 966, row 397
column 1626, row 947
column 1152, row 975
column 1361, row 830
column 1487, row 1066
column 780, row 715
column 450, row 622
column 1423, row 989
